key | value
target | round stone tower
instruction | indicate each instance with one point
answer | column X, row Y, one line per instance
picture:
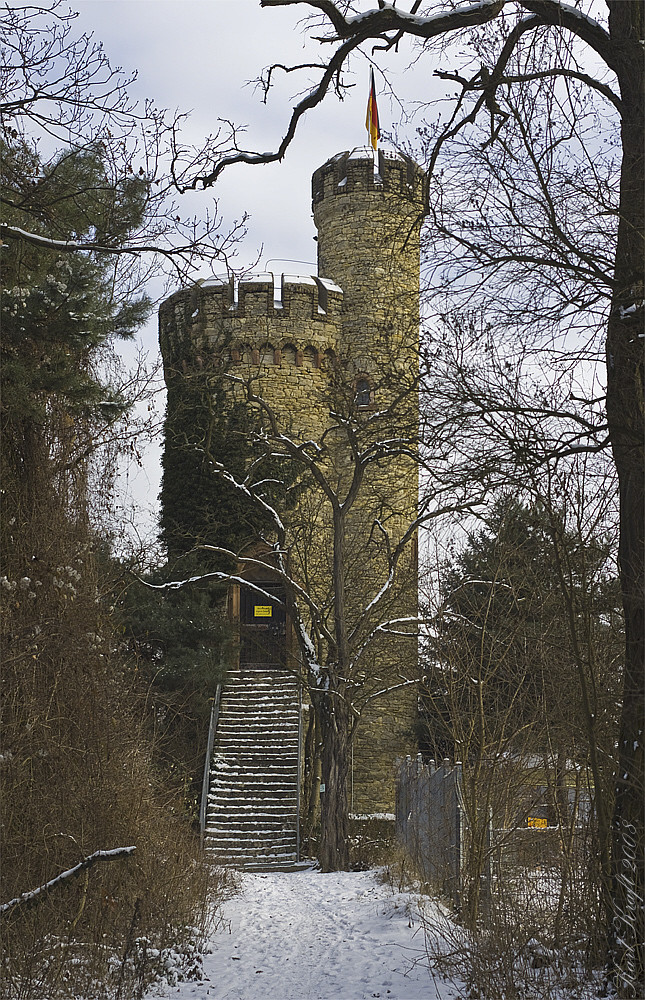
column 368, row 212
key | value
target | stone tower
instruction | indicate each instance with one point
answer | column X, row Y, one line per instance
column 355, row 325
column 368, row 219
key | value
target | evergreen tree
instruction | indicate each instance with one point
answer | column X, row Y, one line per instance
column 78, row 771
column 197, row 505
column 60, row 310
column 504, row 632
column 178, row 642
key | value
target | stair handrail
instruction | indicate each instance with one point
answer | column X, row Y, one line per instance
column 212, row 730
column 299, row 772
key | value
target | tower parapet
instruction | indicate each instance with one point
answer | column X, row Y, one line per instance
column 216, row 315
column 281, row 333
column 354, row 171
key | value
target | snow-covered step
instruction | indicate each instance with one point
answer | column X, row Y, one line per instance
column 250, row 828
column 251, row 790
column 245, row 839
column 240, row 760
column 277, row 725
column 240, row 840
column 253, row 802
column 253, row 848
column 265, row 809
column 252, row 821
column 255, row 765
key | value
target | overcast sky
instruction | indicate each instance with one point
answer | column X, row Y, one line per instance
column 201, row 56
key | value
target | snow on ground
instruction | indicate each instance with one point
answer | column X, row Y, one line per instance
column 308, row 936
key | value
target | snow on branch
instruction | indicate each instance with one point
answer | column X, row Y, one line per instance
column 393, row 556
column 91, row 246
column 388, row 690
column 250, row 495
column 215, row 575
column 28, row 898
column 388, row 25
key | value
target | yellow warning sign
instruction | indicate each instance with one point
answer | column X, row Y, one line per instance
column 537, row 823
column 262, row 611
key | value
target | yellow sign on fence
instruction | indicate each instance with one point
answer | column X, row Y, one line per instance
column 537, row 823
column 262, row 611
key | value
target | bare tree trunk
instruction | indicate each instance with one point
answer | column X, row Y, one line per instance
column 334, row 825
column 625, row 419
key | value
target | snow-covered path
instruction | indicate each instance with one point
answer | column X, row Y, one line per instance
column 309, row 936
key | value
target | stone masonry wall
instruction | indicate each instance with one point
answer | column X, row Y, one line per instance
column 283, row 339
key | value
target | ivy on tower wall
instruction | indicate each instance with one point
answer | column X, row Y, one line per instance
column 202, row 426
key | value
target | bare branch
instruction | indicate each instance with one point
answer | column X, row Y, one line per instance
column 34, row 895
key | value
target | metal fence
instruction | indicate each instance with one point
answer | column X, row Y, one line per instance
column 432, row 826
column 430, row 821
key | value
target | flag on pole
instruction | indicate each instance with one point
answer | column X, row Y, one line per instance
column 371, row 120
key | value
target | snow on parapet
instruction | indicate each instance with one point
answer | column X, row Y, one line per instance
column 298, row 279
column 257, row 277
column 361, row 170
column 367, row 153
column 262, row 293
column 331, row 286
column 213, row 282
column 361, row 153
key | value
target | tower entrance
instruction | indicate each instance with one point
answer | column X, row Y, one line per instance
column 263, row 625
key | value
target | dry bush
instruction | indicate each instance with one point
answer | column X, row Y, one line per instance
column 78, row 775
column 400, row 872
column 371, row 843
column 509, row 955
column 536, row 937
column 525, row 919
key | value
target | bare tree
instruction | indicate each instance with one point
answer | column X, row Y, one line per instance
column 341, row 526
column 522, row 642
column 514, row 428
column 60, row 92
column 530, row 42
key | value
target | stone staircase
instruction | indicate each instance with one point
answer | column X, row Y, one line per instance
column 252, row 813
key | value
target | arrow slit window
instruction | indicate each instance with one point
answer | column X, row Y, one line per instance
column 363, row 393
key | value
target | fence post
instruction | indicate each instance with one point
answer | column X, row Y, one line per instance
column 408, row 802
column 299, row 772
column 430, row 821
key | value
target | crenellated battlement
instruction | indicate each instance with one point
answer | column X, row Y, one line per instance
column 291, row 295
column 288, row 311
column 354, row 172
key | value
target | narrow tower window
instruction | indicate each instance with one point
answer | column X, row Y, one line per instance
column 363, row 393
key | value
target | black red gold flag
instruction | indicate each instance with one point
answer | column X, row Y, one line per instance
column 371, row 120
